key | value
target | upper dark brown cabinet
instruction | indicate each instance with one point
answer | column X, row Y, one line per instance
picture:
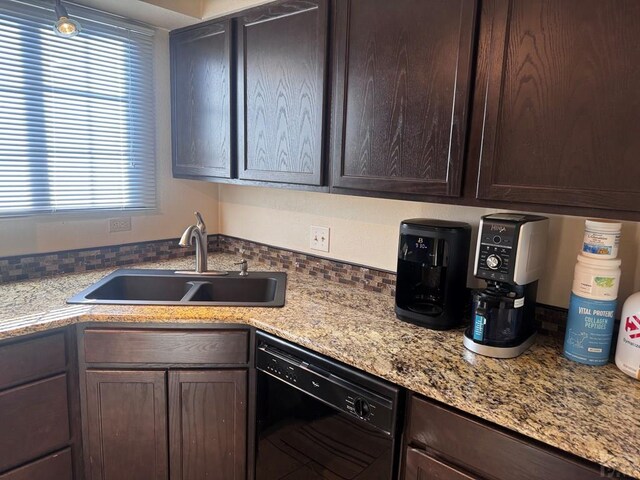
column 201, row 101
column 282, row 54
column 558, row 105
column 402, row 85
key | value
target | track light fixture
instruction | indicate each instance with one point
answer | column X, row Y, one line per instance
column 65, row 27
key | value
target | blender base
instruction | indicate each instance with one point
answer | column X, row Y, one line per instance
column 498, row 352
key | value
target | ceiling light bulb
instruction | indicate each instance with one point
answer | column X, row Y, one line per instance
column 66, row 27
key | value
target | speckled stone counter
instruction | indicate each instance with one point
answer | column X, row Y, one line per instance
column 588, row 411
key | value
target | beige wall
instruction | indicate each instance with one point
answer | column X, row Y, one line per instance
column 177, row 199
column 216, row 8
column 365, row 231
column 165, row 14
column 192, row 8
column 202, row 9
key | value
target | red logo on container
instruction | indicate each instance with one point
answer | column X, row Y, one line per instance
column 633, row 325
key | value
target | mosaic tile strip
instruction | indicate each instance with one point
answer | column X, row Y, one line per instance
column 374, row 280
column 551, row 320
column 28, row 267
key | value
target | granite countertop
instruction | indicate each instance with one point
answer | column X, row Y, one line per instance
column 588, row 411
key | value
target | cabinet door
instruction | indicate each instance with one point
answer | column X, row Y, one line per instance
column 422, row 466
column 558, row 103
column 208, row 424
column 127, row 428
column 201, row 101
column 282, row 50
column 402, row 83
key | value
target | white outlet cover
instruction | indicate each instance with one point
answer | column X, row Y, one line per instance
column 122, row 224
column 319, row 238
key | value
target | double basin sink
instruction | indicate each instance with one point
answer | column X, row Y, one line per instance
column 166, row 287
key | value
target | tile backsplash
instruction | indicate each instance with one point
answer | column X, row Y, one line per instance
column 551, row 320
column 379, row 281
column 28, row 267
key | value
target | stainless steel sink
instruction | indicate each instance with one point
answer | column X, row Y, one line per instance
column 166, row 287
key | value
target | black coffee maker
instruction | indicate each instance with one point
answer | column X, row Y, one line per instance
column 432, row 272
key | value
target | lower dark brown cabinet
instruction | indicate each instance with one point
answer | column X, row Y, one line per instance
column 128, row 437
column 165, row 403
column 445, row 444
column 127, row 425
column 208, row 424
column 39, row 408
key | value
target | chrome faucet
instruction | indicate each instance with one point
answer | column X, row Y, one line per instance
column 197, row 232
column 244, row 267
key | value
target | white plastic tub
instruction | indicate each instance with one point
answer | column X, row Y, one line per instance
column 597, row 278
column 601, row 239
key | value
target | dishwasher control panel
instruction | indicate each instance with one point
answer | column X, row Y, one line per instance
column 334, row 390
column 281, row 370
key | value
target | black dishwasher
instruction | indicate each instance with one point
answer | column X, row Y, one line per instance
column 320, row 419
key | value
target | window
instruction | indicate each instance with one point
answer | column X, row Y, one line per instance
column 77, row 126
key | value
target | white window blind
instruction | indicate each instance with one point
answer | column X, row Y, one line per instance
column 77, row 126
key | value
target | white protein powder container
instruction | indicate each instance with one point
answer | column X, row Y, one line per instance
column 628, row 347
column 597, row 278
column 601, row 239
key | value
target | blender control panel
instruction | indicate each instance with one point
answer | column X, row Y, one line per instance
column 496, row 251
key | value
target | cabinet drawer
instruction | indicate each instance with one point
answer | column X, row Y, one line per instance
column 53, row 467
column 34, row 420
column 166, row 346
column 421, row 465
column 477, row 447
column 32, row 359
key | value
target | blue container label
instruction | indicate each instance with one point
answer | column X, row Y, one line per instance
column 589, row 330
column 478, row 328
column 596, row 249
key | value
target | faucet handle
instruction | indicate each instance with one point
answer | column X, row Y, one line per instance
column 244, row 267
column 200, row 222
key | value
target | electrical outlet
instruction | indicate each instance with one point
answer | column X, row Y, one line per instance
column 319, row 239
column 119, row 224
